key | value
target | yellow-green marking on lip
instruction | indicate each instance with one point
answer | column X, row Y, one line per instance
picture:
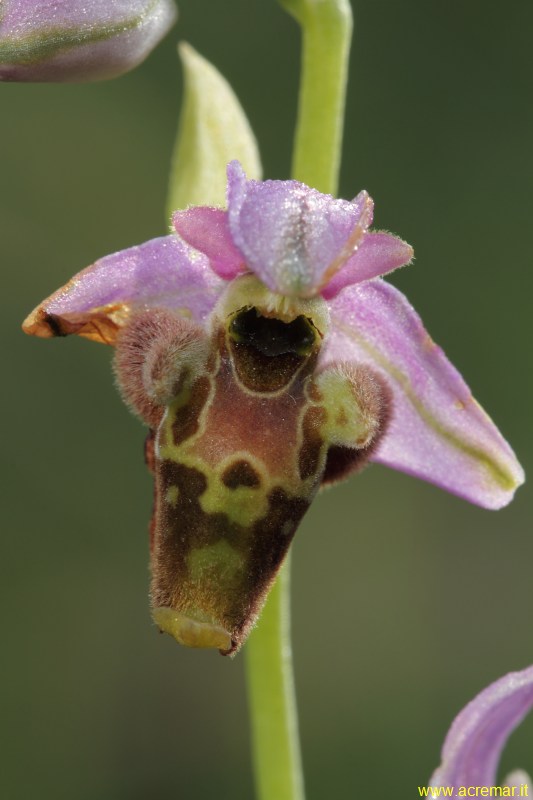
column 189, row 631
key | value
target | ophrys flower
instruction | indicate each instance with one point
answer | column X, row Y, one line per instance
column 268, row 357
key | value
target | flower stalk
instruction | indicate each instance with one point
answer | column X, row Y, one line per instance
column 326, row 35
column 274, row 718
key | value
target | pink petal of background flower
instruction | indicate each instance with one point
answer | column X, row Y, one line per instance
column 478, row 734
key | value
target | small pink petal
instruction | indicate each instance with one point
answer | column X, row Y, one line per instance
column 437, row 431
column 206, row 229
column 96, row 302
column 293, row 237
column 478, row 734
column 378, row 254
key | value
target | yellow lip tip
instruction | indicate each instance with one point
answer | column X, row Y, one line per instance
column 190, row 632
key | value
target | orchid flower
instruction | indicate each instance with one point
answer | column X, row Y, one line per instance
column 70, row 40
column 478, row 734
column 268, row 357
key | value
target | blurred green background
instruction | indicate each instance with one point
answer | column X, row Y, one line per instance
column 407, row 601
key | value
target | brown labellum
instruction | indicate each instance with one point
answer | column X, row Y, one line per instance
column 244, row 432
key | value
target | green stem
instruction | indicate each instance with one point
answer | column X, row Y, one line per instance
column 326, row 27
column 276, row 747
column 327, row 30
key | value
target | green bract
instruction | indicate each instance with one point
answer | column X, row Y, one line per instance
column 213, row 130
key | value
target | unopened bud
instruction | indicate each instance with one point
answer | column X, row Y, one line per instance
column 70, row 40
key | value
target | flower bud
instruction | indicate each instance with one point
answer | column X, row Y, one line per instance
column 70, row 40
